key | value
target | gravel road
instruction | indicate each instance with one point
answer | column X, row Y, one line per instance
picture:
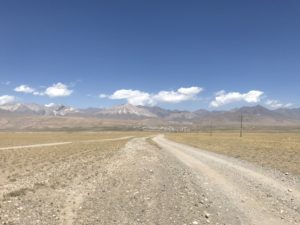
column 248, row 193
column 155, row 183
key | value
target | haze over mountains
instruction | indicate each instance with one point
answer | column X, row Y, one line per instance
column 35, row 116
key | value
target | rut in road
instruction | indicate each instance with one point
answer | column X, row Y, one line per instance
column 258, row 197
column 62, row 143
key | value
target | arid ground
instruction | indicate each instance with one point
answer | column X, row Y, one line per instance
column 276, row 150
column 146, row 178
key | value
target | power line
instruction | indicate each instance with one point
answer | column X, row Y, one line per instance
column 241, row 129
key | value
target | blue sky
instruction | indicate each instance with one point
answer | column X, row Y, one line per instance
column 175, row 54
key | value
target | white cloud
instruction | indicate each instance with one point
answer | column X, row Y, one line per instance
column 223, row 98
column 58, row 90
column 137, row 97
column 4, row 99
column 274, row 104
column 182, row 94
column 24, row 89
column 190, row 90
column 134, row 97
column 50, row 105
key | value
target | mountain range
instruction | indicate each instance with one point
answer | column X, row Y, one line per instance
column 35, row 116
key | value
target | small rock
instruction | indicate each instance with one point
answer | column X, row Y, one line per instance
column 207, row 215
column 195, row 222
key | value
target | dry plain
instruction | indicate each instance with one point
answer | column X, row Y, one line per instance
column 145, row 178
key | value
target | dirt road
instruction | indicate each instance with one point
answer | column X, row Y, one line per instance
column 256, row 196
column 62, row 143
column 142, row 183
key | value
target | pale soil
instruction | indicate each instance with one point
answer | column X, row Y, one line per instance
column 280, row 151
column 137, row 182
column 257, row 195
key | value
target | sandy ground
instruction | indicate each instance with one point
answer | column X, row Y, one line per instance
column 145, row 183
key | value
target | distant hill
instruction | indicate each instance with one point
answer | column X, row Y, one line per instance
column 23, row 116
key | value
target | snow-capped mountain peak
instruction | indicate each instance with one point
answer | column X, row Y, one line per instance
column 127, row 110
column 31, row 108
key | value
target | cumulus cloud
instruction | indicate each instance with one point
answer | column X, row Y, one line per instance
column 4, row 99
column 24, row 89
column 137, row 97
column 274, row 104
column 182, row 94
column 224, row 98
column 58, row 90
column 134, row 97
column 190, row 90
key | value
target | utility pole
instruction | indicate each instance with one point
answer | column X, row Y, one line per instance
column 210, row 129
column 241, row 130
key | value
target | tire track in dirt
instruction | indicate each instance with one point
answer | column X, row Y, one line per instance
column 240, row 184
column 36, row 145
column 62, row 143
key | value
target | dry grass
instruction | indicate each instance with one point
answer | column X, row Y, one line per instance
column 276, row 150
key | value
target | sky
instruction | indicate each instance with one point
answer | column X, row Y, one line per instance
column 174, row 54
